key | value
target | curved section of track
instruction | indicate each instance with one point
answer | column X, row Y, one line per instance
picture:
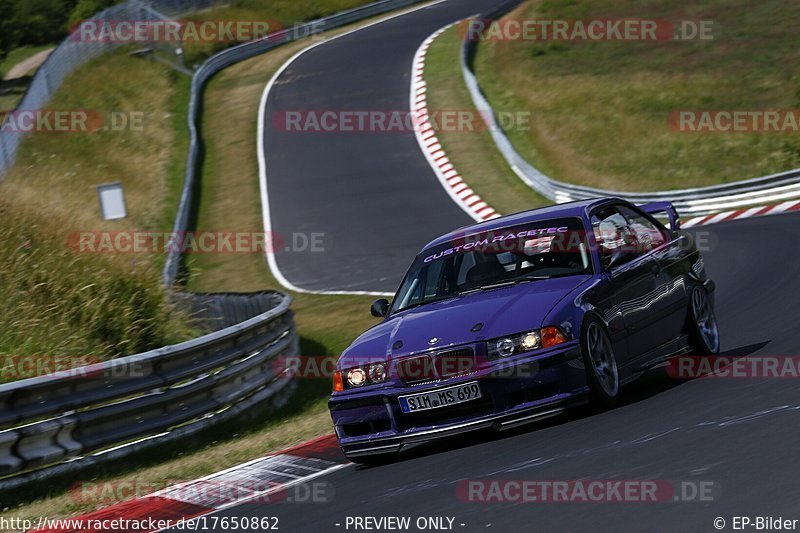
column 740, row 434
column 379, row 201
column 372, row 197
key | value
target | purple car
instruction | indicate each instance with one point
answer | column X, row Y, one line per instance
column 516, row 319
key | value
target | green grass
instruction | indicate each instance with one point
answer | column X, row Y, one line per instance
column 59, row 303
column 600, row 108
column 279, row 13
column 62, row 303
column 327, row 324
column 230, row 199
column 473, row 153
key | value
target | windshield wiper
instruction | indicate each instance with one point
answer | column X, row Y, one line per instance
column 425, row 302
column 505, row 283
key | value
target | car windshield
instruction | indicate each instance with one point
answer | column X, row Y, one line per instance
column 480, row 261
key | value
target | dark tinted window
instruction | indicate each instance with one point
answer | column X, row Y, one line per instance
column 620, row 228
column 648, row 234
column 544, row 249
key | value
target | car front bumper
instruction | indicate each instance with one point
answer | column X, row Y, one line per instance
column 517, row 391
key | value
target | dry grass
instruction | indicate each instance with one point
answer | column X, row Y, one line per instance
column 600, row 109
column 327, row 324
column 57, row 172
column 63, row 303
column 58, row 303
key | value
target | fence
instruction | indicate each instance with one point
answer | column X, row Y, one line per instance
column 694, row 201
column 144, row 399
column 68, row 56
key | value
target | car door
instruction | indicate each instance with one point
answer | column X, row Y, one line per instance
column 634, row 274
column 654, row 239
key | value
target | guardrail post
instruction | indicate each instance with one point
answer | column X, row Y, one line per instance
column 8, row 461
column 37, row 444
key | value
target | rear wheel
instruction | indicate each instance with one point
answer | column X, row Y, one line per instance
column 602, row 373
column 703, row 328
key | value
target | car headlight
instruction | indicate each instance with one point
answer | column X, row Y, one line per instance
column 377, row 372
column 356, row 377
column 525, row 342
column 360, row 376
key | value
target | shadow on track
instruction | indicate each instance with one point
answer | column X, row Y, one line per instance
column 648, row 385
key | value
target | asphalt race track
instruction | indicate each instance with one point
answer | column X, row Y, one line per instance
column 372, row 196
column 378, row 202
column 740, row 434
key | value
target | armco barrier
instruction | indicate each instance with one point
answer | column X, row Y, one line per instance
column 59, row 423
column 227, row 58
column 690, row 202
column 157, row 396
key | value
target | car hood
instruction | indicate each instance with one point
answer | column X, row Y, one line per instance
column 502, row 311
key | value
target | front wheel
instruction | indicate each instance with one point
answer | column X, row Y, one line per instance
column 602, row 373
column 703, row 329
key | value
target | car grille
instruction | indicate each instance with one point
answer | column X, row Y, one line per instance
column 430, row 367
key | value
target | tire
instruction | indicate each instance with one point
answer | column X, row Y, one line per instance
column 703, row 328
column 600, row 363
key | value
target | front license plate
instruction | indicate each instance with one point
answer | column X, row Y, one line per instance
column 440, row 398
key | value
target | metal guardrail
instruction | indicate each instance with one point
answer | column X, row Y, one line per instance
column 145, row 398
column 65, row 421
column 692, row 201
column 227, row 58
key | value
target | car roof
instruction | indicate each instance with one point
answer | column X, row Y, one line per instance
column 578, row 208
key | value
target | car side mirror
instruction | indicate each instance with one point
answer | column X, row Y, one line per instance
column 379, row 308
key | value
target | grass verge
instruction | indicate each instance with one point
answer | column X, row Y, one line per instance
column 61, row 302
column 600, row 108
column 279, row 14
column 229, row 199
column 473, row 153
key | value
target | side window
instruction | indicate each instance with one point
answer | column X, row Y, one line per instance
column 611, row 231
column 648, row 235
column 428, row 283
column 434, row 280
